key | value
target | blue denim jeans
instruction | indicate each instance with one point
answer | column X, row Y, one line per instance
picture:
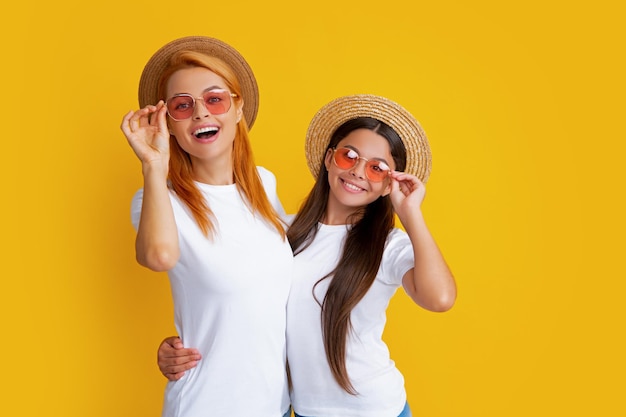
column 405, row 413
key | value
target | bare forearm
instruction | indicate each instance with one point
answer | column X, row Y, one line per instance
column 157, row 236
column 430, row 283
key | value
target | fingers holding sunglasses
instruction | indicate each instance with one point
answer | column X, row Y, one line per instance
column 147, row 133
column 407, row 191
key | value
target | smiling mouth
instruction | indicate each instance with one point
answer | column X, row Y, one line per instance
column 352, row 186
column 205, row 132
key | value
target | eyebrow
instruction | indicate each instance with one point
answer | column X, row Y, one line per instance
column 214, row 87
column 206, row 90
column 371, row 159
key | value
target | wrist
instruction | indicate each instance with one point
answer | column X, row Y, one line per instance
column 413, row 220
column 155, row 167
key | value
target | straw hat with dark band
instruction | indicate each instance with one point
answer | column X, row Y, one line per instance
column 340, row 110
column 209, row 46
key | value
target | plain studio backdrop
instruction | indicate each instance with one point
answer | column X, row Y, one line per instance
column 523, row 104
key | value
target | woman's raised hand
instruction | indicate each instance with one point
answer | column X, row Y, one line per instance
column 147, row 133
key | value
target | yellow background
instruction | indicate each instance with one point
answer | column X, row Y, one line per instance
column 523, row 104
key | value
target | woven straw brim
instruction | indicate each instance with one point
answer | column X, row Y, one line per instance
column 342, row 109
column 210, row 46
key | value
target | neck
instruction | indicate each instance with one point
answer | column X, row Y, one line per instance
column 336, row 216
column 213, row 172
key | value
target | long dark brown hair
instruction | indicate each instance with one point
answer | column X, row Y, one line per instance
column 362, row 251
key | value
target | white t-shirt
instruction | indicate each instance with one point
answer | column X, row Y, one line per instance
column 230, row 294
column 379, row 384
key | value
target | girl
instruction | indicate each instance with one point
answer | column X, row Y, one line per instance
column 371, row 159
column 210, row 218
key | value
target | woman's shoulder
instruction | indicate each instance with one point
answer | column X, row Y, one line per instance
column 288, row 218
column 265, row 173
column 268, row 179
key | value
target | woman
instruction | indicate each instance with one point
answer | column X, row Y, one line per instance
column 371, row 159
column 210, row 218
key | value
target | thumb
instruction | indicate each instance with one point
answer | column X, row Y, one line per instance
column 174, row 341
column 395, row 194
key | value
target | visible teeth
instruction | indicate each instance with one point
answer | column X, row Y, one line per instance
column 211, row 129
column 352, row 186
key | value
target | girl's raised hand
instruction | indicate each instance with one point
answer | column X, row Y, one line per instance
column 407, row 193
column 147, row 133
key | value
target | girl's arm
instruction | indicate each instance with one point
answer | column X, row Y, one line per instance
column 430, row 283
column 174, row 359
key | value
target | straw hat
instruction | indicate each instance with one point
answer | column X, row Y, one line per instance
column 209, row 46
column 342, row 109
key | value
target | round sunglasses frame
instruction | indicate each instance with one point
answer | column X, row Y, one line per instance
column 369, row 163
column 203, row 100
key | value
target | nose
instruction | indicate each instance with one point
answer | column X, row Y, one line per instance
column 199, row 109
column 358, row 170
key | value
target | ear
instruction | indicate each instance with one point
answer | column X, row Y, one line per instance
column 328, row 159
column 240, row 111
column 169, row 126
column 387, row 189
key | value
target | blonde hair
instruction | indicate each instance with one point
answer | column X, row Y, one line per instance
column 246, row 176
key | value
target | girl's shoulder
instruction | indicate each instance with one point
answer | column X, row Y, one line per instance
column 397, row 235
column 397, row 259
column 398, row 245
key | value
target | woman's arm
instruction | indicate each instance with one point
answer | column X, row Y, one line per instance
column 156, row 244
